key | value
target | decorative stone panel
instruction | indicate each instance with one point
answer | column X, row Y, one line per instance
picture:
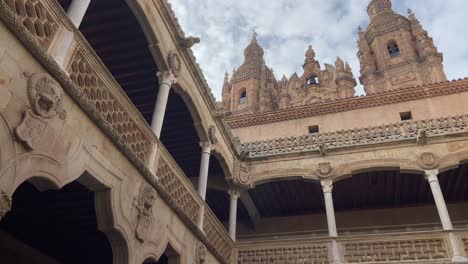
column 396, row 251
column 177, row 191
column 36, row 18
column 93, row 90
column 285, row 255
column 216, row 234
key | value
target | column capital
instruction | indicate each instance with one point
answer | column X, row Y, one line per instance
column 166, row 77
column 206, row 147
column 327, row 186
column 431, row 175
column 5, row 204
column 234, row 194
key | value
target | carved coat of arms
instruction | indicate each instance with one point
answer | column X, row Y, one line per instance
column 144, row 205
column 45, row 96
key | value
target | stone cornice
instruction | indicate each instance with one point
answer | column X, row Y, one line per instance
column 343, row 105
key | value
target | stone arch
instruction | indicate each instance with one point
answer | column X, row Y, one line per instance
column 347, row 170
column 103, row 208
column 282, row 175
column 7, row 149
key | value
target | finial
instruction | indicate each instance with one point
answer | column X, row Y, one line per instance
column 254, row 34
column 310, row 54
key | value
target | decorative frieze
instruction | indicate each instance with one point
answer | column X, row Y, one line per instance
column 200, row 254
column 357, row 137
column 407, row 251
column 313, row 254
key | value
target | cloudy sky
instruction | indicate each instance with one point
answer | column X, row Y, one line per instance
column 287, row 27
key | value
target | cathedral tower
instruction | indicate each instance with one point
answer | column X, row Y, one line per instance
column 396, row 52
column 253, row 86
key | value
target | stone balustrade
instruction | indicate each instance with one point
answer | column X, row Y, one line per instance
column 403, row 131
column 36, row 23
column 417, row 247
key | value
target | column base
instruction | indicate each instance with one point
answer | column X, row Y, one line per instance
column 459, row 259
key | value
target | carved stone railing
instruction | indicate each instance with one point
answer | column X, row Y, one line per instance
column 417, row 247
column 94, row 89
column 414, row 130
column 216, row 234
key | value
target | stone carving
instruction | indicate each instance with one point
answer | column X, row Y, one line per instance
column 216, row 234
column 324, row 170
column 212, row 135
column 144, row 205
column 406, row 251
column 242, row 175
column 200, row 254
column 410, row 76
column 403, row 131
column 45, row 96
column 189, row 42
column 174, row 63
column 421, row 138
column 5, row 204
column 323, row 150
column 428, row 161
column 290, row 255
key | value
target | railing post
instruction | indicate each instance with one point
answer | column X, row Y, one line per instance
column 431, row 177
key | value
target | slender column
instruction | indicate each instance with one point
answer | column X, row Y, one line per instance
column 204, row 165
column 77, row 10
column 75, row 13
column 327, row 187
column 234, row 196
column 166, row 80
column 431, row 177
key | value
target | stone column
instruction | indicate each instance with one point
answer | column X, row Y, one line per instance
column 431, row 177
column 5, row 204
column 204, row 166
column 234, row 196
column 327, row 187
column 166, row 80
column 75, row 12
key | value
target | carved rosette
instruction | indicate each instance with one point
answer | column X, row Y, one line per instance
column 45, row 98
column 242, row 175
column 144, row 204
column 5, row 204
column 324, row 171
column 200, row 254
column 428, row 161
column 174, row 63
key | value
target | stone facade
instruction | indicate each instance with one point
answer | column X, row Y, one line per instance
column 73, row 122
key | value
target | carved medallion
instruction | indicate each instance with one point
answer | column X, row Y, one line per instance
column 242, row 175
column 324, row 170
column 5, row 204
column 45, row 96
column 200, row 254
column 144, row 205
column 174, row 63
column 428, row 161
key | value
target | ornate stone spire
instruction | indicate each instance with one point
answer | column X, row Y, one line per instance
column 339, row 64
column 377, row 7
column 425, row 44
column 226, row 84
column 254, row 52
column 310, row 55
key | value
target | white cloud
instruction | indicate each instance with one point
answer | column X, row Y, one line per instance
column 287, row 27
